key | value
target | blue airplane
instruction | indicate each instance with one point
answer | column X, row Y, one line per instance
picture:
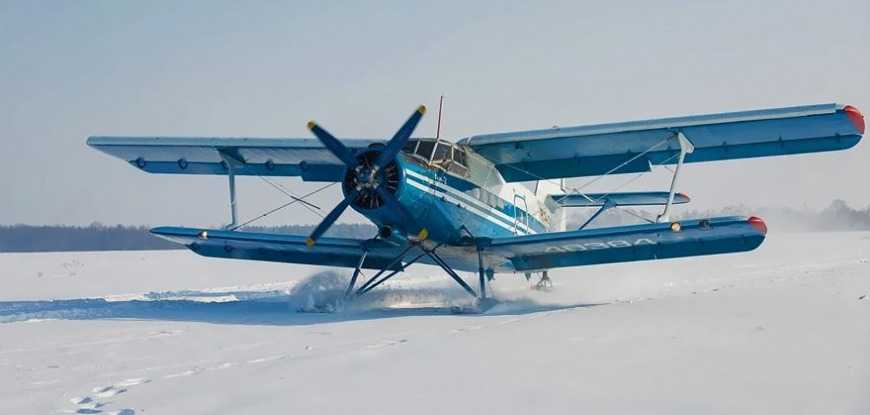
column 462, row 206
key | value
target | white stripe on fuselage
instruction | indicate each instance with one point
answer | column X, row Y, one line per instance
column 483, row 209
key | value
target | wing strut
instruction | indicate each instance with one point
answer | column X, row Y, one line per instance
column 356, row 272
column 686, row 147
column 608, row 203
column 231, row 163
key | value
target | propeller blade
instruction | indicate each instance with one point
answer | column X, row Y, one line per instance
column 327, row 222
column 400, row 138
column 333, row 144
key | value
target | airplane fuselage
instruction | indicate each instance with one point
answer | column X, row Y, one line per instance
column 461, row 198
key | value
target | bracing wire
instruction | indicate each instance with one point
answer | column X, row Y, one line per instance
column 299, row 199
column 284, row 190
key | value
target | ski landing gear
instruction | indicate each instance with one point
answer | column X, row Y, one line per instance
column 543, row 284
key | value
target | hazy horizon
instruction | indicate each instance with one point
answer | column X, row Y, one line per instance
column 71, row 70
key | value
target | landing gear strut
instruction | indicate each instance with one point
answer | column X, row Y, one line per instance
column 398, row 265
column 543, row 284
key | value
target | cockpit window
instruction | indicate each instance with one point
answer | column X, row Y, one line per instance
column 425, row 149
column 438, row 153
column 410, row 146
column 442, row 152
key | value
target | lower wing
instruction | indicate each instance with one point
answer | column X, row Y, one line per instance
column 630, row 243
column 339, row 252
column 518, row 253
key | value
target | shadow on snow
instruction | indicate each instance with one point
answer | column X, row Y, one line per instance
column 321, row 292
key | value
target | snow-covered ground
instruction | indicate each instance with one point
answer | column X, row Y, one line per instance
column 784, row 329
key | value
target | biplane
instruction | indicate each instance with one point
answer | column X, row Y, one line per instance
column 490, row 203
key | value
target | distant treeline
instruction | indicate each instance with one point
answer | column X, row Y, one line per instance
column 838, row 216
column 99, row 237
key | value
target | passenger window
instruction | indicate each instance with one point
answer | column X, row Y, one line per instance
column 425, row 149
column 442, row 152
column 459, row 155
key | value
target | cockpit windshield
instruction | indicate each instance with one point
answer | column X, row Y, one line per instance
column 424, row 149
column 438, row 153
column 442, row 152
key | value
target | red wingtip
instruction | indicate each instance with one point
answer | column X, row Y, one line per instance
column 758, row 223
column 856, row 117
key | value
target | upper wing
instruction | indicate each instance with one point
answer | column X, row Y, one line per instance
column 634, row 146
column 630, row 243
column 249, row 156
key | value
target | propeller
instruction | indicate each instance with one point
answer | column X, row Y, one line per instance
column 371, row 178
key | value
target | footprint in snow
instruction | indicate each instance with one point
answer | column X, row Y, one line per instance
column 125, row 411
column 81, row 400
column 86, row 406
column 90, row 405
column 108, row 391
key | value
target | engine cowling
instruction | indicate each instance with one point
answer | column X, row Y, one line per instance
column 365, row 179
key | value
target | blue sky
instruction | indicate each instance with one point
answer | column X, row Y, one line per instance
column 74, row 69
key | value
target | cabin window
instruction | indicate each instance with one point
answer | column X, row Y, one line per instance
column 425, row 149
column 442, row 152
column 457, row 165
column 491, row 200
column 459, row 156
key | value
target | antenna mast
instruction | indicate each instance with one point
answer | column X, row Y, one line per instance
column 438, row 130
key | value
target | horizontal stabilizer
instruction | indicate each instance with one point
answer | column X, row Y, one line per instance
column 617, row 199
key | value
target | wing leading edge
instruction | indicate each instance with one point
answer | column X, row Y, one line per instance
column 635, row 146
